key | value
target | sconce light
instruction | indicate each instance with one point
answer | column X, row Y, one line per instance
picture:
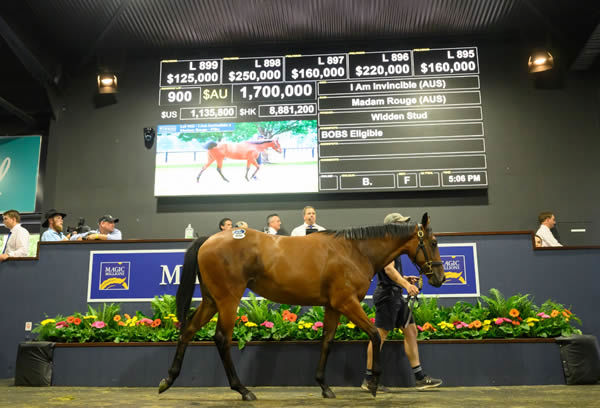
column 540, row 61
column 107, row 83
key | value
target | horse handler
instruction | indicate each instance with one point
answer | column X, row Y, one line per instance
column 391, row 311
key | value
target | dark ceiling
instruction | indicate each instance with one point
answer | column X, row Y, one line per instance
column 44, row 42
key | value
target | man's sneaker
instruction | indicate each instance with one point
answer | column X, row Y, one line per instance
column 380, row 388
column 427, row 382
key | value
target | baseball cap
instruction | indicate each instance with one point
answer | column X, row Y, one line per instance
column 107, row 217
column 395, row 217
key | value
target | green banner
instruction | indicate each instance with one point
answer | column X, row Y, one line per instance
column 19, row 165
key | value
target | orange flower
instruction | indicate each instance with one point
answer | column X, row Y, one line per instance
column 516, row 323
column 244, row 318
column 476, row 324
column 554, row 313
column 70, row 319
column 77, row 321
column 122, row 323
column 127, row 316
column 428, row 326
column 117, row 318
column 565, row 314
column 156, row 323
column 292, row 317
column 514, row 313
column 285, row 313
column 568, row 312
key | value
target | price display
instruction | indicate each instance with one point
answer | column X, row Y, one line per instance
column 248, row 70
column 446, row 62
column 385, row 120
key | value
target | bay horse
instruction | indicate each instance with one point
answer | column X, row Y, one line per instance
column 332, row 269
column 247, row 150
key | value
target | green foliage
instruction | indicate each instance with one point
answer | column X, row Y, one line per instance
column 163, row 306
column 516, row 316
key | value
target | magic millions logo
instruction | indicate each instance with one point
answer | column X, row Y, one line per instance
column 114, row 275
column 454, row 268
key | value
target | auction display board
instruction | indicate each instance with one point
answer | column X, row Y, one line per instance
column 350, row 121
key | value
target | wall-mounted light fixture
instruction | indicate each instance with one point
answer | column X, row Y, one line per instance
column 107, row 83
column 539, row 61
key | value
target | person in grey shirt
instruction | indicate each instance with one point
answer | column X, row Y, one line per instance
column 106, row 230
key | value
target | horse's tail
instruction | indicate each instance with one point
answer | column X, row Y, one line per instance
column 187, row 280
column 210, row 145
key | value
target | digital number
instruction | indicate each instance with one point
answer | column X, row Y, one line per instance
column 400, row 56
column 254, row 76
column 192, row 79
column 292, row 110
column 179, row 96
column 277, row 91
column 317, row 73
column 381, row 70
column 465, row 54
column 209, row 113
column 449, row 68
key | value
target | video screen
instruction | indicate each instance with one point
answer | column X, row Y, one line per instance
column 236, row 158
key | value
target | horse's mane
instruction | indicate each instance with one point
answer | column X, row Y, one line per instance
column 258, row 142
column 399, row 230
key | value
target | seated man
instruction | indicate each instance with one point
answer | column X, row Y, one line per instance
column 310, row 218
column 17, row 242
column 274, row 225
column 547, row 221
column 54, row 223
column 106, row 230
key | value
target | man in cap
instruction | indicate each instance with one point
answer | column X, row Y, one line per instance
column 106, row 230
column 54, row 223
column 17, row 242
column 392, row 311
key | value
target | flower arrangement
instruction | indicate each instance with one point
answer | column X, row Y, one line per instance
column 257, row 319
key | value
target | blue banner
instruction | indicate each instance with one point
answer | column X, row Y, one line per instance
column 460, row 267
column 19, row 163
column 134, row 276
column 139, row 276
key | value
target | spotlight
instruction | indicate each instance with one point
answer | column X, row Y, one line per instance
column 540, row 61
column 107, row 83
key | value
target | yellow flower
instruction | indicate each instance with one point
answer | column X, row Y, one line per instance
column 250, row 324
column 45, row 322
column 532, row 319
column 530, row 324
column 486, row 328
column 214, row 319
column 351, row 325
column 175, row 320
column 90, row 317
column 170, row 315
column 487, row 322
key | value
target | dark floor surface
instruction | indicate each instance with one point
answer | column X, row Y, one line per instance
column 450, row 397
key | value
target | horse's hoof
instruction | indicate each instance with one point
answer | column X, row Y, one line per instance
column 163, row 386
column 249, row 396
column 328, row 393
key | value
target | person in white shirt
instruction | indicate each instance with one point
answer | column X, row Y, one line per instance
column 17, row 243
column 310, row 218
column 547, row 221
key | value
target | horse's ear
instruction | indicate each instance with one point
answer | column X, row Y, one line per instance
column 425, row 220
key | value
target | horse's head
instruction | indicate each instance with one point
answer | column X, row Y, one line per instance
column 275, row 144
column 426, row 254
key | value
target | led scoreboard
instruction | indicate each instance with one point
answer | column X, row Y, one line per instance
column 351, row 121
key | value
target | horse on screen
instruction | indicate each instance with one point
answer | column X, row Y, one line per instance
column 247, row 150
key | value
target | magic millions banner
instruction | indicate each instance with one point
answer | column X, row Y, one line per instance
column 139, row 276
column 19, row 165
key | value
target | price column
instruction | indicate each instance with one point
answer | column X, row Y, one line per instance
column 447, row 61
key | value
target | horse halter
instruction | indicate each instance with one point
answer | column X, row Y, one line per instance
column 426, row 269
